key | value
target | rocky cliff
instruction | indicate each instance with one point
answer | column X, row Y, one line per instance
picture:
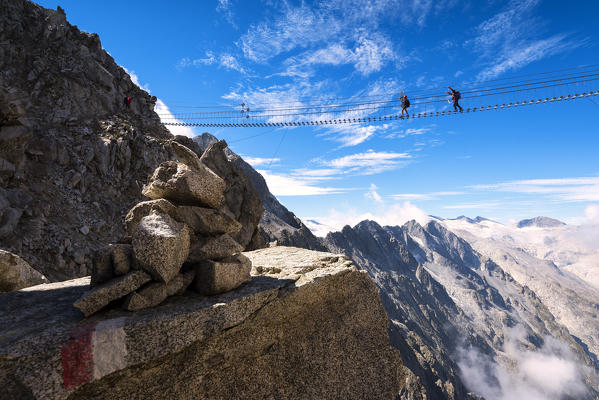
column 72, row 156
column 307, row 326
column 464, row 325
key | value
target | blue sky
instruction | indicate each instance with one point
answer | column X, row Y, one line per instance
column 505, row 165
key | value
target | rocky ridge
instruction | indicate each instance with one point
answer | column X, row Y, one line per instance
column 447, row 301
column 308, row 325
column 72, row 157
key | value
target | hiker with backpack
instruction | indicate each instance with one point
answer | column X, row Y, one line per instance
column 127, row 102
column 455, row 96
column 405, row 104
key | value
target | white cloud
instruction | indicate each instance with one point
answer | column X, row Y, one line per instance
column 548, row 373
column 225, row 60
column 511, row 40
column 296, row 27
column 370, row 162
column 208, row 60
column 225, row 8
column 166, row 116
column 288, row 185
column 135, row 80
column 369, row 54
column 373, row 194
column 424, row 196
column 230, row 62
column 475, row 206
column 520, row 56
column 392, row 214
column 592, row 213
column 256, row 161
column 372, row 54
column 407, row 132
column 563, row 189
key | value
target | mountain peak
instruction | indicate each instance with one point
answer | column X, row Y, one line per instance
column 540, row 222
column 470, row 220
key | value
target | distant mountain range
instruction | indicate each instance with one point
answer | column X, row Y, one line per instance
column 540, row 222
column 473, row 303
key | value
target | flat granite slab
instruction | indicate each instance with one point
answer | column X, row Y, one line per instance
column 48, row 349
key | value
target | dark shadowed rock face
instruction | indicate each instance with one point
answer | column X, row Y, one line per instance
column 72, row 159
column 423, row 317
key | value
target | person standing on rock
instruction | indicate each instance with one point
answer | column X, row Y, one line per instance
column 127, row 102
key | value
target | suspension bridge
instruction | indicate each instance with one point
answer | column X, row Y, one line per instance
column 499, row 94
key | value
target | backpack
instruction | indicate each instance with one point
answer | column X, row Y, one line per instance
column 406, row 103
column 456, row 95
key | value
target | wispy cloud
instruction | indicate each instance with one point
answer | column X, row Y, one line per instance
column 225, row 7
column 289, row 185
column 224, row 60
column 370, row 162
column 407, row 132
column 368, row 53
column 373, row 194
column 511, row 39
column 257, row 161
column 425, row 196
column 525, row 54
column 483, row 205
column 580, row 189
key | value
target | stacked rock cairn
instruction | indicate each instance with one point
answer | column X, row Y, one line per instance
column 179, row 239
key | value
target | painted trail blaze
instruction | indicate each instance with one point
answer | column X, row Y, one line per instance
column 77, row 357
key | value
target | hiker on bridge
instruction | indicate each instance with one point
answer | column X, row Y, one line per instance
column 455, row 96
column 405, row 104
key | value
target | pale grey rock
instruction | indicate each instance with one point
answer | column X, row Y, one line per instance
column 187, row 156
column 121, row 258
column 324, row 338
column 207, row 221
column 149, row 296
column 146, row 208
column 101, row 295
column 16, row 273
column 180, row 282
column 215, row 277
column 212, row 248
column 160, row 246
column 200, row 220
column 241, row 199
column 277, row 222
column 182, row 185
